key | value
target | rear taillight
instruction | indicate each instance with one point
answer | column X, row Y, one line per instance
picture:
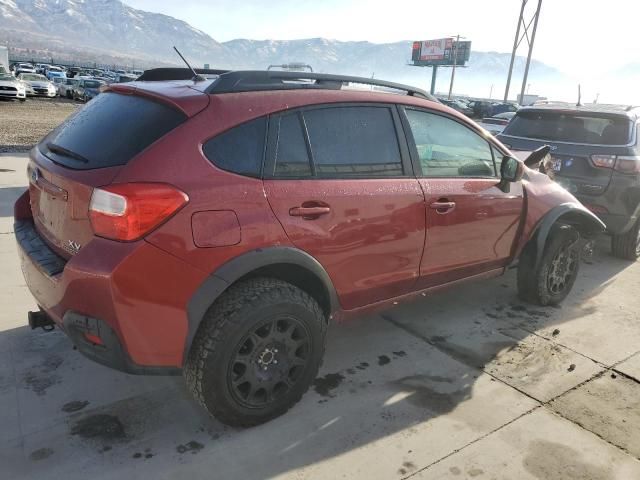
column 628, row 164
column 621, row 164
column 128, row 211
column 603, row 161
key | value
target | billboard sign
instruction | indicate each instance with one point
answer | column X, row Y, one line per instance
column 435, row 49
column 440, row 52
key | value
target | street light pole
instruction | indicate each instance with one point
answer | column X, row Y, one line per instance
column 455, row 61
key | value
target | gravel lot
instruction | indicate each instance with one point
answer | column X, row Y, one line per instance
column 23, row 124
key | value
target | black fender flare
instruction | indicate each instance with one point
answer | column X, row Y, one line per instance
column 574, row 214
column 238, row 267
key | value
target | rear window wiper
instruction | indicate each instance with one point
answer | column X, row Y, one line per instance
column 54, row 148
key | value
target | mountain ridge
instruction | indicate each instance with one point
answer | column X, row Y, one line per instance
column 109, row 31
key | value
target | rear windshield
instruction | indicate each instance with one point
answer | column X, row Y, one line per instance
column 92, row 83
column 109, row 131
column 568, row 127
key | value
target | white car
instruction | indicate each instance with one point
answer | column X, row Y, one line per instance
column 12, row 88
column 65, row 88
column 38, row 85
column 24, row 68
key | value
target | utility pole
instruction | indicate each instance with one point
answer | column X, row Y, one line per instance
column 533, row 39
column 455, row 61
column 516, row 43
column 434, row 76
column 518, row 40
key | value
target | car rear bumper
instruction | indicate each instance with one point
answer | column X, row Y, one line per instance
column 134, row 294
column 619, row 211
column 617, row 224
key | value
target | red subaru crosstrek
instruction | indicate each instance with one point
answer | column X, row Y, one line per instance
column 214, row 226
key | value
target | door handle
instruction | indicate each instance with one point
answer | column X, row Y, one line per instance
column 443, row 207
column 309, row 213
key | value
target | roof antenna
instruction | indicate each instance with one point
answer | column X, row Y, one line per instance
column 196, row 77
column 579, row 104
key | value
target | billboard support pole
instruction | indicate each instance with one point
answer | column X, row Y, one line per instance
column 434, row 76
column 455, row 59
column 533, row 39
column 516, row 42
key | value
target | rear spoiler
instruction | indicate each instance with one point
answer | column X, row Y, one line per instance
column 163, row 74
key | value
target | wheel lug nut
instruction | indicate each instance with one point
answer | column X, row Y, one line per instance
column 275, row 362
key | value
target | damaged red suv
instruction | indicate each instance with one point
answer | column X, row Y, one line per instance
column 215, row 226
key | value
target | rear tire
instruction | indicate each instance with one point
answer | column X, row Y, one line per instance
column 627, row 245
column 257, row 351
column 553, row 279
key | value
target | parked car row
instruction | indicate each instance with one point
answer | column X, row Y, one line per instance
column 83, row 89
column 43, row 80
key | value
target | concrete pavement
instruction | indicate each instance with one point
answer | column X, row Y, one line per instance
column 470, row 383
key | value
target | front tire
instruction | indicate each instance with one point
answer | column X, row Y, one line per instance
column 257, row 351
column 551, row 281
column 627, row 245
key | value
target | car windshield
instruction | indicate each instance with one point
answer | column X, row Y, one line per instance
column 32, row 77
column 92, row 83
column 595, row 129
column 6, row 76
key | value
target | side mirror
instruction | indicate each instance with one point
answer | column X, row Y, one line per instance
column 511, row 170
column 537, row 156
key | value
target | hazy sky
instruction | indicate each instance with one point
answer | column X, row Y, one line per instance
column 572, row 34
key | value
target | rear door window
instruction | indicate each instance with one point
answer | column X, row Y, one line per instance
column 292, row 156
column 353, row 141
column 109, row 131
column 572, row 128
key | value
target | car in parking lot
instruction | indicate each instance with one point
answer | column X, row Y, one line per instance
column 56, row 72
column 595, row 154
column 496, row 124
column 457, row 105
column 38, row 85
column 65, row 88
column 86, row 89
column 125, row 78
column 214, row 227
column 19, row 68
column 11, row 88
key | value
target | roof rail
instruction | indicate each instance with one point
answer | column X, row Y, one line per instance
column 163, row 74
column 253, row 80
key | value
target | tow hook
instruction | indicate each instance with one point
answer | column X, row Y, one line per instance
column 41, row 320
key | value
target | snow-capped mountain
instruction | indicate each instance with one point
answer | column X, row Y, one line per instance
column 109, row 31
column 103, row 25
